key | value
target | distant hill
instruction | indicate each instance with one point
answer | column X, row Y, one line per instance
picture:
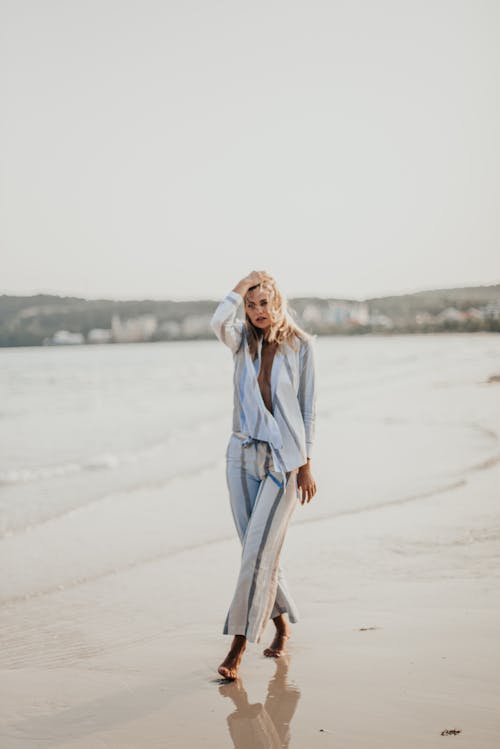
column 31, row 320
column 405, row 307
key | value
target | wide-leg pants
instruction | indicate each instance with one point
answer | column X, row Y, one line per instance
column 262, row 502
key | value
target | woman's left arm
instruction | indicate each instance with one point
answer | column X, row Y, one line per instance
column 307, row 403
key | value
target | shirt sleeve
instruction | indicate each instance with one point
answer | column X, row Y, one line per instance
column 307, row 391
column 224, row 323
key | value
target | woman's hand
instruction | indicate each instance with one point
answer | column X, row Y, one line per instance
column 253, row 279
column 306, row 483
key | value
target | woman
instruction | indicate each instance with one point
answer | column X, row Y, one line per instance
column 268, row 455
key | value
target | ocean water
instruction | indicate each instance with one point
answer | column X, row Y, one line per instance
column 111, row 456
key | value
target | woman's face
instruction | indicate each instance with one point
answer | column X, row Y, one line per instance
column 256, row 307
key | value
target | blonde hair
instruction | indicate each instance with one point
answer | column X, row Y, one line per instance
column 283, row 329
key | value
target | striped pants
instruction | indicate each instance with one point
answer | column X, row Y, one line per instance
column 262, row 503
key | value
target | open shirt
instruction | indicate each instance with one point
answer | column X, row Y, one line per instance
column 290, row 428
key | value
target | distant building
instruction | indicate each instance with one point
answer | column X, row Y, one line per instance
column 347, row 313
column 338, row 313
column 360, row 314
column 170, row 329
column 474, row 314
column 451, row 314
column 492, row 310
column 381, row 321
column 424, row 318
column 64, row 338
column 312, row 314
column 134, row 329
column 196, row 325
column 99, row 335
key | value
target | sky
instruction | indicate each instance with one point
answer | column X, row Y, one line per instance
column 161, row 149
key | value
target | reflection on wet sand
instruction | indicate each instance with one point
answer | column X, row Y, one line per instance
column 262, row 726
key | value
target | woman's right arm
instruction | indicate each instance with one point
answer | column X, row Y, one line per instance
column 224, row 323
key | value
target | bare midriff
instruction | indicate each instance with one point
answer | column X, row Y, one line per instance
column 264, row 377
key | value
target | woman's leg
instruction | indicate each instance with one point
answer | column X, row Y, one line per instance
column 242, row 476
column 243, row 482
column 247, row 474
column 229, row 666
column 257, row 585
column 284, row 603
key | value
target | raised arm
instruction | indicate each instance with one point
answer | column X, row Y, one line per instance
column 224, row 323
column 307, row 391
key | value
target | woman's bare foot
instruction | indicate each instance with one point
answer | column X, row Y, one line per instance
column 277, row 648
column 229, row 666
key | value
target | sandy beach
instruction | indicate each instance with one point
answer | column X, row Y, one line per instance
column 385, row 655
column 399, row 599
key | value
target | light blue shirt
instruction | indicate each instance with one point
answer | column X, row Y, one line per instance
column 290, row 428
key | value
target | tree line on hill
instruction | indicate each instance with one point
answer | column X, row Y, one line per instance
column 31, row 320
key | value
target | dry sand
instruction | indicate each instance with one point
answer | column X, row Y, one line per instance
column 398, row 641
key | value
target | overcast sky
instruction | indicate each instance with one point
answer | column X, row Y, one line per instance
column 156, row 149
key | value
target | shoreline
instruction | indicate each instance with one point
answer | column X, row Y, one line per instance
column 397, row 641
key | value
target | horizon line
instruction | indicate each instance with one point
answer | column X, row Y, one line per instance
column 215, row 298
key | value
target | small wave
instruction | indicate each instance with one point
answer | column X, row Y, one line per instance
column 191, row 472
column 101, row 462
column 43, row 473
column 23, row 475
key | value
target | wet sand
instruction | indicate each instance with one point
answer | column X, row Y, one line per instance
column 397, row 643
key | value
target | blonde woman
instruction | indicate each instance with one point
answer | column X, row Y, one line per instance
column 268, row 457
